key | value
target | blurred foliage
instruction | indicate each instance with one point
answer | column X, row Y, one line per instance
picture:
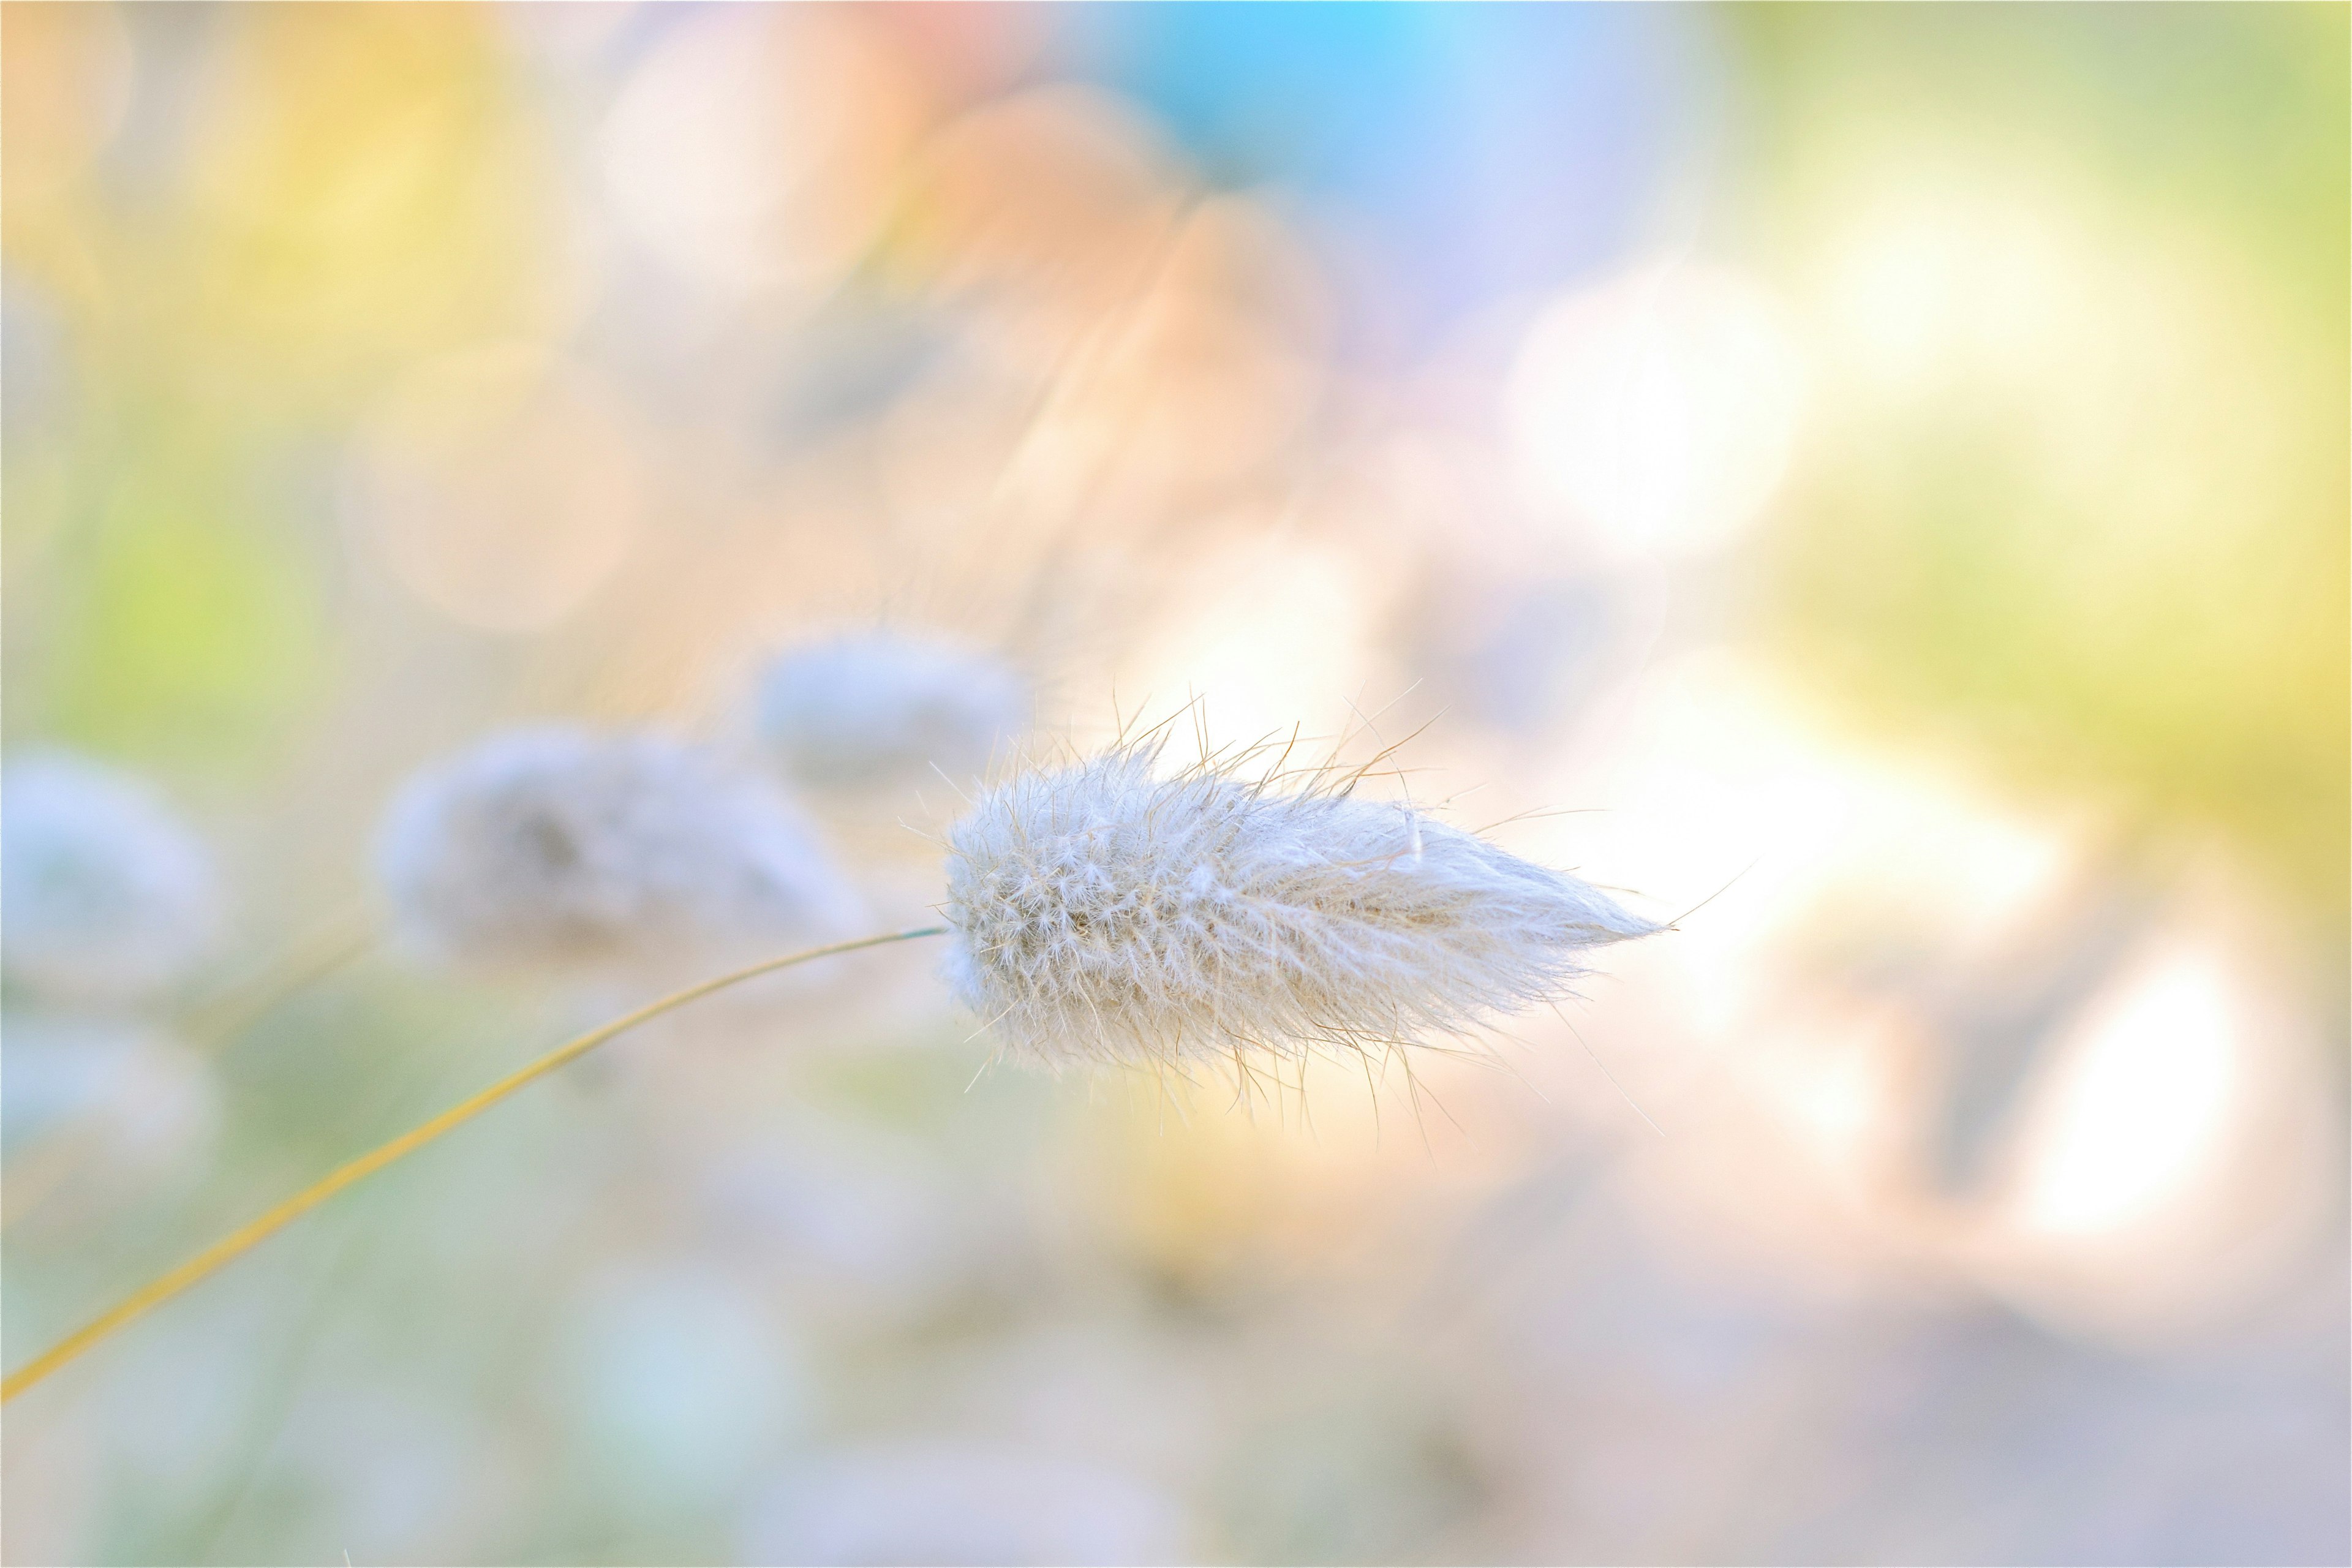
column 2186, row 648
column 188, row 620
column 350, row 191
column 246, row 270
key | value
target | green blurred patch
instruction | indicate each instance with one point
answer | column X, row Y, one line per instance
column 185, row 620
column 2110, row 554
column 2202, row 685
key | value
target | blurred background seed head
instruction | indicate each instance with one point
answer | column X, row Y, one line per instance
column 1879, row 472
column 106, row 896
column 881, row 711
column 554, row 845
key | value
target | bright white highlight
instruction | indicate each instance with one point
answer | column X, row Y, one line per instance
column 752, row 149
column 1661, row 408
column 1950, row 280
column 2142, row 1106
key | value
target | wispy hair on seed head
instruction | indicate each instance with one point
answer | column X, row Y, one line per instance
column 1246, row 908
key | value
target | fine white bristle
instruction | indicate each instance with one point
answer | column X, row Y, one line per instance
column 1103, row 912
column 557, row 846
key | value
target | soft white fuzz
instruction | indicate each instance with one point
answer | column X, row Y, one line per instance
column 1103, row 913
column 559, row 845
column 878, row 707
column 108, row 897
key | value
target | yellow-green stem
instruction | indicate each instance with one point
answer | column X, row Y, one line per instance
column 239, row 1242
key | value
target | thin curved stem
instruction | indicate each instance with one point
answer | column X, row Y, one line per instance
column 239, row 1242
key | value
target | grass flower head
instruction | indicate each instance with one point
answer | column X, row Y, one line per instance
column 880, row 707
column 1105, row 912
column 558, row 845
column 109, row 897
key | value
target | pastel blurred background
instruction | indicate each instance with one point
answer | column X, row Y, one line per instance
column 1871, row 478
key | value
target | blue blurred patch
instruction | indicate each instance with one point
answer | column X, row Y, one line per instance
column 1483, row 149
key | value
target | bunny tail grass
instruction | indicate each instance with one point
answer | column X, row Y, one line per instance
column 237, row 1243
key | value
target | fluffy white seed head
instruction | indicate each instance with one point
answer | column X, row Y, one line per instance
column 879, row 708
column 558, row 847
column 1104, row 914
column 108, row 897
